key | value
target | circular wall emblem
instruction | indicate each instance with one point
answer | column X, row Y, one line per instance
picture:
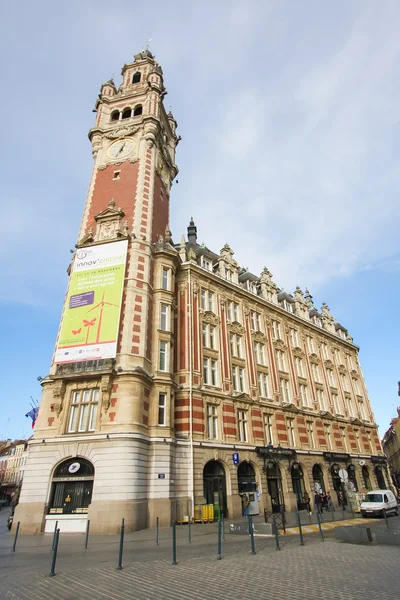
column 74, row 468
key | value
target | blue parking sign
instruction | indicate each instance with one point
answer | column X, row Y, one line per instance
column 235, row 458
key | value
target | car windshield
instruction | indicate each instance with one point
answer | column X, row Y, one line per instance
column 373, row 498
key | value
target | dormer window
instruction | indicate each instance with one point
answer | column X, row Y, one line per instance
column 205, row 263
column 342, row 334
column 317, row 321
column 115, row 115
column 127, row 113
column 137, row 110
column 136, row 78
column 287, row 306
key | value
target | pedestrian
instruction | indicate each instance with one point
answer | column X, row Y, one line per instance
column 323, row 502
column 306, row 499
column 317, row 502
column 329, row 502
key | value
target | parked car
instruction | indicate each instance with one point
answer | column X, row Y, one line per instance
column 378, row 501
column 4, row 502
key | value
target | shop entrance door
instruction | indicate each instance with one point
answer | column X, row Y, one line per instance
column 215, row 485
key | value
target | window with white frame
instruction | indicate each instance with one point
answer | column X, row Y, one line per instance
column 310, row 344
column 316, row 372
column 304, row 394
column 163, row 356
column 324, row 350
column 228, row 275
column 369, row 440
column 310, row 432
column 205, row 263
column 352, row 409
column 357, row 437
column 165, row 279
column 362, row 410
column 356, row 386
column 255, row 320
column 236, row 345
column 83, row 412
column 209, row 371
column 242, row 425
column 209, row 336
column 207, row 300
column 285, row 389
column 345, row 383
column 164, row 325
column 233, row 311
column 299, row 366
column 263, row 385
column 344, row 438
column 212, row 421
column 269, row 439
column 238, row 378
column 259, row 352
column 294, row 337
column 336, row 404
column 321, row 399
column 280, row 359
column 290, row 431
column 287, row 306
column 317, row 321
column 327, row 429
column 331, row 377
column 342, row 334
column 276, row 330
column 162, row 405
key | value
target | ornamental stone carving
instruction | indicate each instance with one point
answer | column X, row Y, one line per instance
column 279, row 345
column 209, row 317
column 236, row 328
column 314, row 358
column 120, row 132
column 299, row 352
column 106, row 387
column 329, row 364
column 342, row 370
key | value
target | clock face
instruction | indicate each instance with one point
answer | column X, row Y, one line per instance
column 121, row 148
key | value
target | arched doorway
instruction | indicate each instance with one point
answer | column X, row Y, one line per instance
column 215, row 485
column 72, row 486
column 274, row 481
column 351, row 470
column 366, row 478
column 318, row 478
column 298, row 485
column 338, row 485
column 380, row 478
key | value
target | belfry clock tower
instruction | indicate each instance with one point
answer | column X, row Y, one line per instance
column 105, row 419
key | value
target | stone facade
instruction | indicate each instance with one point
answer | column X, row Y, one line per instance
column 212, row 361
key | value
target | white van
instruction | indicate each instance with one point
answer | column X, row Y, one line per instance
column 376, row 501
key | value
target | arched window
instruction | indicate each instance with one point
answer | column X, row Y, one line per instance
column 246, row 478
column 215, row 485
column 115, row 115
column 298, row 485
column 72, row 486
column 138, row 110
column 380, row 478
column 367, row 481
column 352, row 476
column 318, row 477
column 136, row 77
column 127, row 113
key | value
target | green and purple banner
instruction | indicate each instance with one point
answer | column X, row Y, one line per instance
column 90, row 323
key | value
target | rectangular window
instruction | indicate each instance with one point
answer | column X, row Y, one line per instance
column 328, row 436
column 238, row 379
column 304, row 394
column 236, row 345
column 259, row 352
column 285, row 390
column 357, row 436
column 212, row 422
column 165, row 279
column 276, row 330
column 207, row 300
column 163, row 356
column 362, row 411
column 299, row 366
column 324, row 351
column 290, row 431
column 344, row 439
column 241, row 379
column 83, row 413
column 206, row 264
column 268, row 429
column 287, row 306
column 310, row 431
column 356, row 386
column 316, row 372
column 344, row 381
column 210, row 371
column 294, row 337
column 164, row 317
column 310, row 344
column 242, row 425
column 280, row 357
column 162, row 403
column 208, row 336
column 233, row 311
column 255, row 321
column 321, row 399
column 331, row 377
column 263, row 385
column 336, row 405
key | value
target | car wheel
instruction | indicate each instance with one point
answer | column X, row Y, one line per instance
column 363, row 514
column 396, row 511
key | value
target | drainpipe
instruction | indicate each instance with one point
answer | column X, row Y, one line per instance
column 191, row 471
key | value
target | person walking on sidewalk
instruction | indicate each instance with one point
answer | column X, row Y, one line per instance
column 306, row 499
column 317, row 502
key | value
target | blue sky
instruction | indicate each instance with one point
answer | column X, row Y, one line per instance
column 289, row 113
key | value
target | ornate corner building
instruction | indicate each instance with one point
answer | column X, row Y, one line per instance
column 180, row 378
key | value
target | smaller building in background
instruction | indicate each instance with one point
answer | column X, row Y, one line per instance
column 391, row 447
column 13, row 457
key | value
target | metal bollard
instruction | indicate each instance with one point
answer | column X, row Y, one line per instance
column 174, row 562
column 251, row 532
column 333, row 512
column 223, row 525
column 54, row 537
column 320, row 528
column 121, row 546
column 54, row 557
column 386, row 519
column 16, row 537
column 219, row 555
column 275, row 528
column 343, row 515
column 300, row 530
column 189, row 530
column 157, row 531
column 87, row 534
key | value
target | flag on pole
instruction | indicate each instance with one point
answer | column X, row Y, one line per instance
column 33, row 415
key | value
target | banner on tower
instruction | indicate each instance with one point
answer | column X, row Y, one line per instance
column 89, row 328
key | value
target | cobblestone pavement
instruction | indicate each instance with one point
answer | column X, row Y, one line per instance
column 328, row 570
